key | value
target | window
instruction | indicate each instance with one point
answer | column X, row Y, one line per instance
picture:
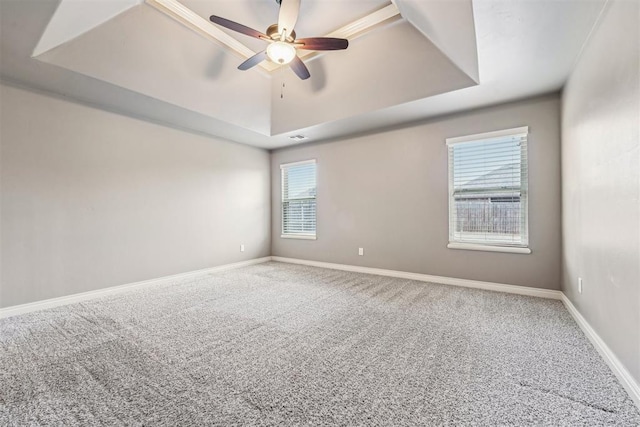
column 299, row 200
column 488, row 191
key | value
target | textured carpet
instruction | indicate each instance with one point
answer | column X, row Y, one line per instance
column 279, row 344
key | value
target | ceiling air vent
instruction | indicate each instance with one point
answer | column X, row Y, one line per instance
column 298, row 137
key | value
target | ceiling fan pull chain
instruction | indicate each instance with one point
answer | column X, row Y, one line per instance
column 280, row 75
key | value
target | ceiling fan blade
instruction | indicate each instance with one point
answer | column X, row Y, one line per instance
column 238, row 27
column 322, row 43
column 253, row 61
column 299, row 68
column 288, row 16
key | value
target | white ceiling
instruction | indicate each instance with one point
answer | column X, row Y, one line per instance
column 128, row 57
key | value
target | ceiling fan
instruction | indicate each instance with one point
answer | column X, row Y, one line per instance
column 282, row 40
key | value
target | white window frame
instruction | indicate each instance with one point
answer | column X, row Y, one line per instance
column 283, row 168
column 524, row 194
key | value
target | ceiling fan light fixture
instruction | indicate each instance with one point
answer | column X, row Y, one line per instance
column 281, row 52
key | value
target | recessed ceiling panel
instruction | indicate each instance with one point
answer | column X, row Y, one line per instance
column 75, row 17
column 146, row 51
column 381, row 69
column 450, row 26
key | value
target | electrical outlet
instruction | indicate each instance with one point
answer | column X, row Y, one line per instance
column 361, row 251
column 241, row 248
column 579, row 284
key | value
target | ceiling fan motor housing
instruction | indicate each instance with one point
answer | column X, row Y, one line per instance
column 272, row 32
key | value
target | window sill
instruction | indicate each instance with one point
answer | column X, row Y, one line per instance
column 298, row 236
column 488, row 248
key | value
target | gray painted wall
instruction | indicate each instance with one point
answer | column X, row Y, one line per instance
column 601, row 182
column 91, row 199
column 387, row 193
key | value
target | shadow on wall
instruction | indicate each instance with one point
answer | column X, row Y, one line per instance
column 216, row 63
column 319, row 74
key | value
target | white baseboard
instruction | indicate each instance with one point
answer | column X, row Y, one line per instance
column 625, row 378
column 490, row 286
column 84, row 296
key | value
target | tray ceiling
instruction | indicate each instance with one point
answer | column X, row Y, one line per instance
column 176, row 60
column 433, row 58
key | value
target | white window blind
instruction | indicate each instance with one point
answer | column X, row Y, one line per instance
column 299, row 199
column 488, row 189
